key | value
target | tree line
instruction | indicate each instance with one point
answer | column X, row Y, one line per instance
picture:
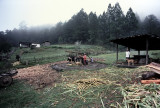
column 87, row 28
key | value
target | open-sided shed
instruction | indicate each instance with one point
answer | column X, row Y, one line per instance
column 144, row 42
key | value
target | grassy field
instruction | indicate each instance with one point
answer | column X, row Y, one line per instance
column 66, row 93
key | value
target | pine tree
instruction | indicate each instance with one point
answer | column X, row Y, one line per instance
column 110, row 19
column 93, row 28
column 80, row 32
column 118, row 21
column 131, row 22
column 102, row 28
column 151, row 24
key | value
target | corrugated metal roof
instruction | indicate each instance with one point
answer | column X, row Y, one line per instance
column 138, row 42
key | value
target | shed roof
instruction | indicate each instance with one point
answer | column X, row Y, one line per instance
column 138, row 42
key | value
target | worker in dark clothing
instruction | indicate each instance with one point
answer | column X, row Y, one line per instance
column 73, row 58
column 17, row 57
column 69, row 59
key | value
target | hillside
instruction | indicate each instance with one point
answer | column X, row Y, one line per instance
column 38, row 85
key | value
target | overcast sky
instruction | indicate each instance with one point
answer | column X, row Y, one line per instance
column 39, row 12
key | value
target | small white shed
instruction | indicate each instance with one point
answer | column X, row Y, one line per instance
column 36, row 45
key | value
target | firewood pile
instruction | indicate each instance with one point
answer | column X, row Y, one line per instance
column 155, row 67
column 153, row 76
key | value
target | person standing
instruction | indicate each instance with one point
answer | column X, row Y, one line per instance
column 17, row 57
column 84, row 58
column 91, row 60
column 127, row 54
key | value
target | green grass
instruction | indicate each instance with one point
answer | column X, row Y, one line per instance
column 17, row 95
column 65, row 93
column 53, row 53
column 111, row 58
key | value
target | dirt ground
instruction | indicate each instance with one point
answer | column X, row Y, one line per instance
column 40, row 76
column 73, row 66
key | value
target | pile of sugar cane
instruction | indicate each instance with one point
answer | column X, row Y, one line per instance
column 147, row 96
column 92, row 82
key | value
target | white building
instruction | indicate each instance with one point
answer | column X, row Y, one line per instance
column 36, row 45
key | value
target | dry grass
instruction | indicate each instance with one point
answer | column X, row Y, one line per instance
column 140, row 96
column 38, row 76
column 86, row 83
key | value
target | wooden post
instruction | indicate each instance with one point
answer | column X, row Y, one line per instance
column 138, row 52
column 147, row 51
column 129, row 51
column 117, row 53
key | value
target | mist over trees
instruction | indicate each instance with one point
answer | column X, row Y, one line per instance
column 87, row 28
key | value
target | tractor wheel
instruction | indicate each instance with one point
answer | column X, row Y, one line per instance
column 5, row 81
